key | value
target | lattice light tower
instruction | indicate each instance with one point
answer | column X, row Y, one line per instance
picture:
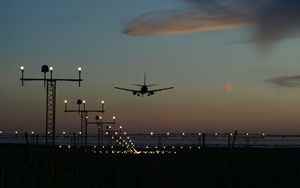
column 84, row 115
column 50, row 85
column 100, row 127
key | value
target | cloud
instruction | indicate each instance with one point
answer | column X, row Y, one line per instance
column 286, row 81
column 185, row 21
column 272, row 20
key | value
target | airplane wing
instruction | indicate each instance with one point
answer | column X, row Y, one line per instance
column 125, row 89
column 162, row 89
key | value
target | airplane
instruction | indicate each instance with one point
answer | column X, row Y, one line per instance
column 144, row 89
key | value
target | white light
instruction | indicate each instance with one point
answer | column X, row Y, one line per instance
column 65, row 101
column 106, row 133
column 80, row 132
column 79, row 69
column 216, row 134
column 121, row 127
column 51, row 68
column 83, row 101
column 86, row 117
column 168, row 133
column 116, row 133
column 200, row 134
column 183, row 134
column 16, row 132
column 263, row 134
column 109, row 127
column 1, row 132
column 32, row 132
column 247, row 134
column 22, row 67
column 151, row 133
column 64, row 132
column 231, row 134
column 114, row 118
column 100, row 117
column 125, row 133
column 102, row 102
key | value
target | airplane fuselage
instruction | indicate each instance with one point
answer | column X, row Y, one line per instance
column 144, row 90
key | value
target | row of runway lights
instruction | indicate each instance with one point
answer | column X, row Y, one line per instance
column 64, row 133
column 146, row 150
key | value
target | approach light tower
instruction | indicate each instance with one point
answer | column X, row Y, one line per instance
column 50, row 85
column 100, row 126
column 84, row 115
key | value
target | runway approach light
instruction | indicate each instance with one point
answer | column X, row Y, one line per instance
column 65, row 101
column 98, row 117
column 79, row 69
column 22, row 68
column 51, row 68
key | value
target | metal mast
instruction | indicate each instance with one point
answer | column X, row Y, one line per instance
column 84, row 116
column 50, row 85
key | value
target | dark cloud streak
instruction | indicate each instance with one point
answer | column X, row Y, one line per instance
column 286, row 81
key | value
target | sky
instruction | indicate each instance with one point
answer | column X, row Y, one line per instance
column 220, row 75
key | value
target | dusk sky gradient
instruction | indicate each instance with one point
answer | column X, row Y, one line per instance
column 68, row 34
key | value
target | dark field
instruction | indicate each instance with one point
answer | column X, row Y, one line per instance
column 37, row 166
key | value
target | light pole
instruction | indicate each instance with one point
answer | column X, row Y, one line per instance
column 100, row 126
column 50, row 85
column 84, row 115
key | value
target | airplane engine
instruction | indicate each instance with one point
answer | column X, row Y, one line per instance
column 150, row 93
column 134, row 93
